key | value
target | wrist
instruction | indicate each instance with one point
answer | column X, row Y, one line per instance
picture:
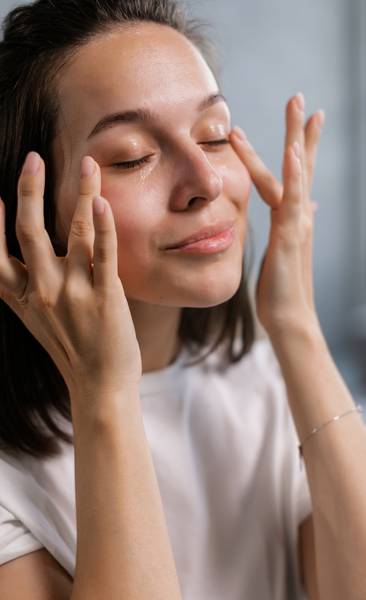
column 102, row 406
column 298, row 341
column 305, row 329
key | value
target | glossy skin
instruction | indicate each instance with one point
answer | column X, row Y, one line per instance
column 191, row 178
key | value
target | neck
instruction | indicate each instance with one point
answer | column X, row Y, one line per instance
column 157, row 333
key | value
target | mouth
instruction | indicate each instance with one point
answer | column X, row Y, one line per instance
column 210, row 239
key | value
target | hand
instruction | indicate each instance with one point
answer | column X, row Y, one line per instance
column 285, row 288
column 74, row 306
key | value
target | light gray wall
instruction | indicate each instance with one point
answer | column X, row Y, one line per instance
column 271, row 50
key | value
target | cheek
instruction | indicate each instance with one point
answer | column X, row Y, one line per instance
column 237, row 188
column 137, row 211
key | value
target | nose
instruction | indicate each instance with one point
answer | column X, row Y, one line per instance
column 197, row 182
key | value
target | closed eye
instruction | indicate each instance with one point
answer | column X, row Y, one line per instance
column 216, row 143
column 132, row 164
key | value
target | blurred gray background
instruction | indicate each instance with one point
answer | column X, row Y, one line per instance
column 271, row 49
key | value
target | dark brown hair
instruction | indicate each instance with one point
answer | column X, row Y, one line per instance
column 38, row 40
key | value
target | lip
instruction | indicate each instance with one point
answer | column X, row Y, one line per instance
column 210, row 239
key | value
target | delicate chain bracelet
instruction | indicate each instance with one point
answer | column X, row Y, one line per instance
column 358, row 408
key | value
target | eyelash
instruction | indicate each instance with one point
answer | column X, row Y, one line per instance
column 133, row 164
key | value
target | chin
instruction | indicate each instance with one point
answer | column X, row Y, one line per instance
column 202, row 288
column 213, row 294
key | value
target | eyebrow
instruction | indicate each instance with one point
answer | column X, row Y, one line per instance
column 146, row 116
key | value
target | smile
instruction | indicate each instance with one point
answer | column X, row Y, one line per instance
column 209, row 240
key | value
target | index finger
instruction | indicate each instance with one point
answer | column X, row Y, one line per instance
column 33, row 238
column 269, row 188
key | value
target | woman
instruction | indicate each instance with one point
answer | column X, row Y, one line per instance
column 135, row 136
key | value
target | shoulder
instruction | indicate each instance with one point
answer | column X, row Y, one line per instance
column 37, row 506
column 15, row 538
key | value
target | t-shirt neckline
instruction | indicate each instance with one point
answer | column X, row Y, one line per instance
column 154, row 382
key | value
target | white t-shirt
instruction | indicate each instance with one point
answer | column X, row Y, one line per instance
column 225, row 452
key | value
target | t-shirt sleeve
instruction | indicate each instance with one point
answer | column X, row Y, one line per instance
column 15, row 539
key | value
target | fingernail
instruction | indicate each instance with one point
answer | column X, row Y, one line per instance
column 300, row 101
column 32, row 164
column 296, row 148
column 98, row 206
column 321, row 118
column 239, row 133
column 87, row 167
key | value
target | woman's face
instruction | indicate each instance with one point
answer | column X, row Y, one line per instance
column 144, row 104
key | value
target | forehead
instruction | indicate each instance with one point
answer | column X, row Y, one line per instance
column 144, row 65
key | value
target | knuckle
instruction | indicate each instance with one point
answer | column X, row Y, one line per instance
column 297, row 177
column 307, row 226
column 74, row 292
column 82, row 227
column 43, row 301
column 296, row 199
column 27, row 234
column 269, row 180
column 87, row 188
column 19, row 291
column 288, row 238
column 27, row 188
column 23, row 302
column 103, row 253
